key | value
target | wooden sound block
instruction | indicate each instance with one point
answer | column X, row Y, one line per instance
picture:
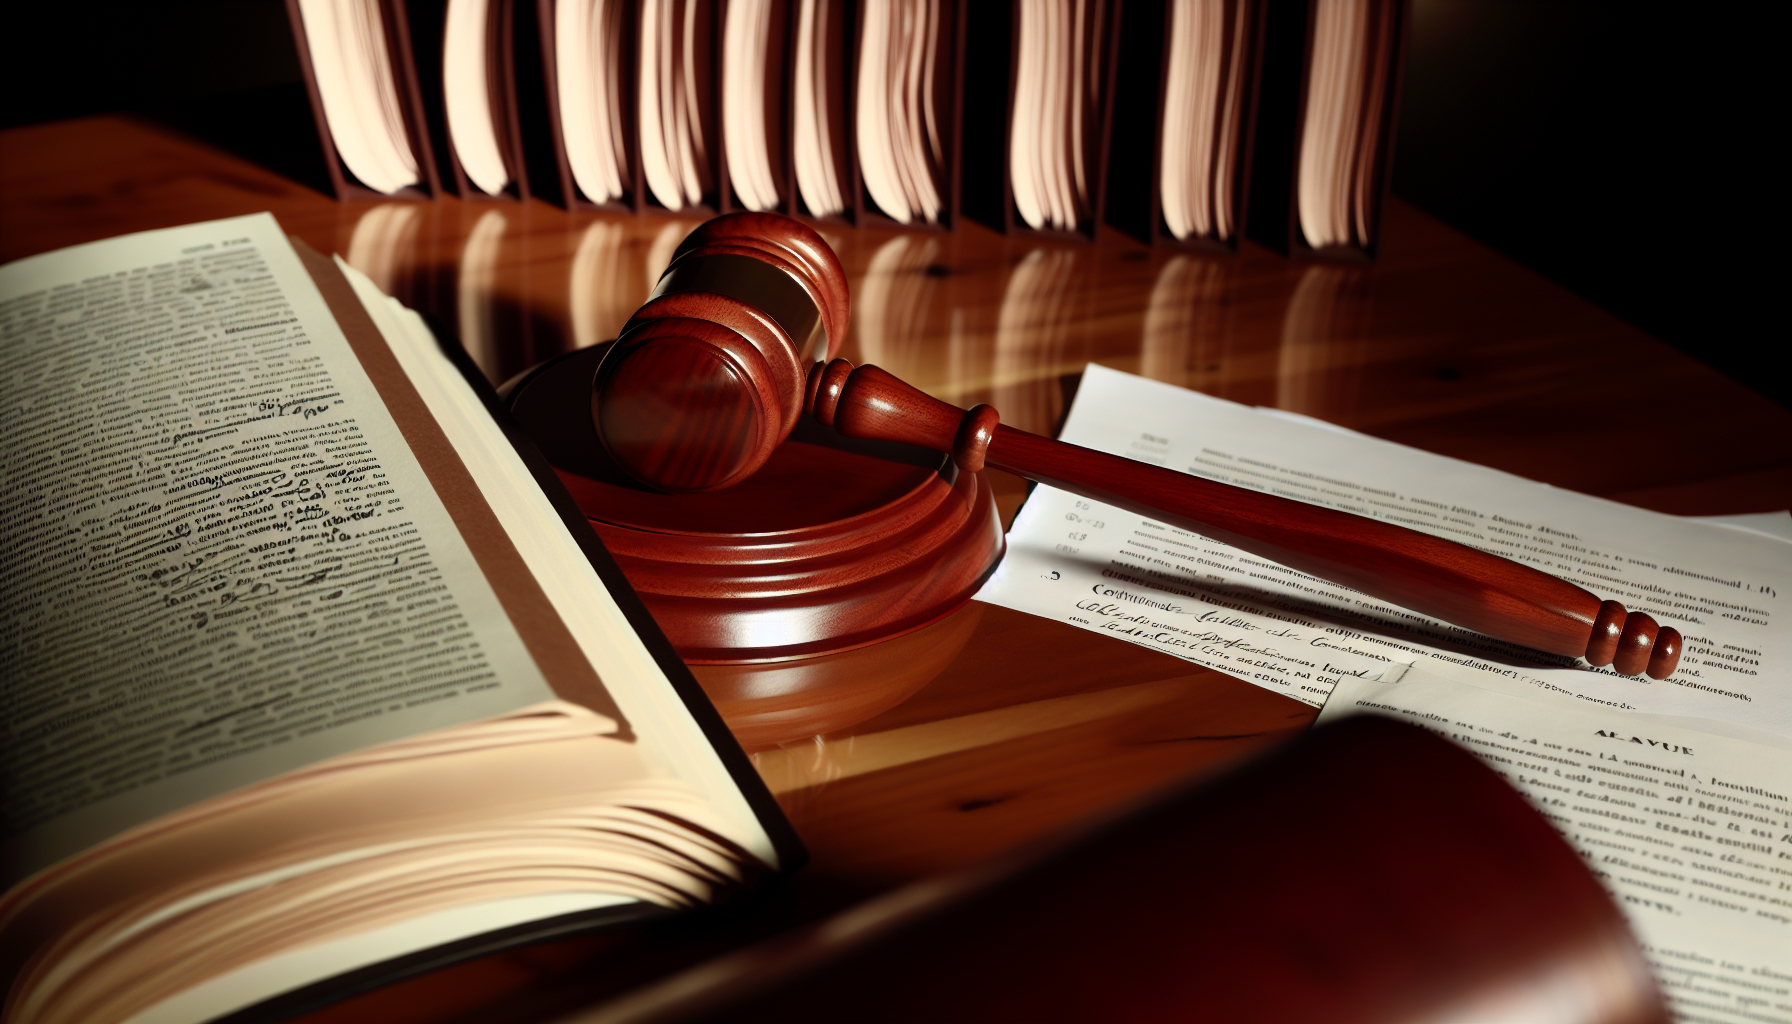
column 773, row 703
column 835, row 544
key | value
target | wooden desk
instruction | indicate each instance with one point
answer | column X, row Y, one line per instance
column 1033, row 725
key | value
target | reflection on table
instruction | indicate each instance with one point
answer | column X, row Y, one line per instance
column 967, row 319
column 1031, row 725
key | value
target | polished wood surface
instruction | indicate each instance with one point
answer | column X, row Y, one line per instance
column 1030, row 725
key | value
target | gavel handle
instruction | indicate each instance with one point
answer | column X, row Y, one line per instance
column 1440, row 578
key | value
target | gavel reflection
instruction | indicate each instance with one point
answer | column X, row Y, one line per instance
column 738, row 339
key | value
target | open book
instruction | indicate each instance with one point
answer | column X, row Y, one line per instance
column 310, row 672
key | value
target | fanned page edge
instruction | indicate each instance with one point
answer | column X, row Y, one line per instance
column 679, row 731
column 339, row 970
column 687, row 738
column 485, row 928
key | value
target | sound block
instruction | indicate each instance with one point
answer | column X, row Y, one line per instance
column 835, row 544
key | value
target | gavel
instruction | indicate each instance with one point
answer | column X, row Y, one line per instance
column 738, row 340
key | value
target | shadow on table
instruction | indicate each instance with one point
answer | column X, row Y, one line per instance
column 271, row 126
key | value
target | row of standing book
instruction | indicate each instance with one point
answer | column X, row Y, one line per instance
column 1182, row 122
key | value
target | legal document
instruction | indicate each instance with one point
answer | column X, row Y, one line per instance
column 1094, row 566
column 1690, row 832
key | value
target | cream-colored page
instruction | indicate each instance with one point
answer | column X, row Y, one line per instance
column 223, row 561
column 668, row 737
column 1103, row 569
column 1690, row 832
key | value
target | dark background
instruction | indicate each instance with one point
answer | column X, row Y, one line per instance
column 1619, row 149
column 1623, row 150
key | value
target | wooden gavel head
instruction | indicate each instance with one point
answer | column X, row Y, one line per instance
column 707, row 378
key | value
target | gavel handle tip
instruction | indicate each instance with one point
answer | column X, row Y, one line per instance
column 1666, row 655
column 1632, row 643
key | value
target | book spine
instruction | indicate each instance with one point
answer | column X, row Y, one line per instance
column 1246, row 17
column 702, row 74
column 992, row 95
column 834, row 27
column 986, row 194
column 1099, row 60
column 949, row 90
column 1401, row 12
column 424, row 24
column 343, row 183
column 543, row 112
column 498, row 62
column 410, row 91
column 1279, row 101
column 1284, row 98
column 778, row 106
column 1135, row 126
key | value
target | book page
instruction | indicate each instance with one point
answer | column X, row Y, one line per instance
column 223, row 561
column 1690, row 832
column 669, row 738
column 1103, row 569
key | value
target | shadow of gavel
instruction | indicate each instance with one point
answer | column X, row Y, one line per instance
column 737, row 341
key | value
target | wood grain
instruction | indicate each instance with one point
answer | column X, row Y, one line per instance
column 683, row 405
column 788, row 242
column 1442, row 344
column 642, row 403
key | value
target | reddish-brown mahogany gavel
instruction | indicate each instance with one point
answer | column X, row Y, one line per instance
column 709, row 376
